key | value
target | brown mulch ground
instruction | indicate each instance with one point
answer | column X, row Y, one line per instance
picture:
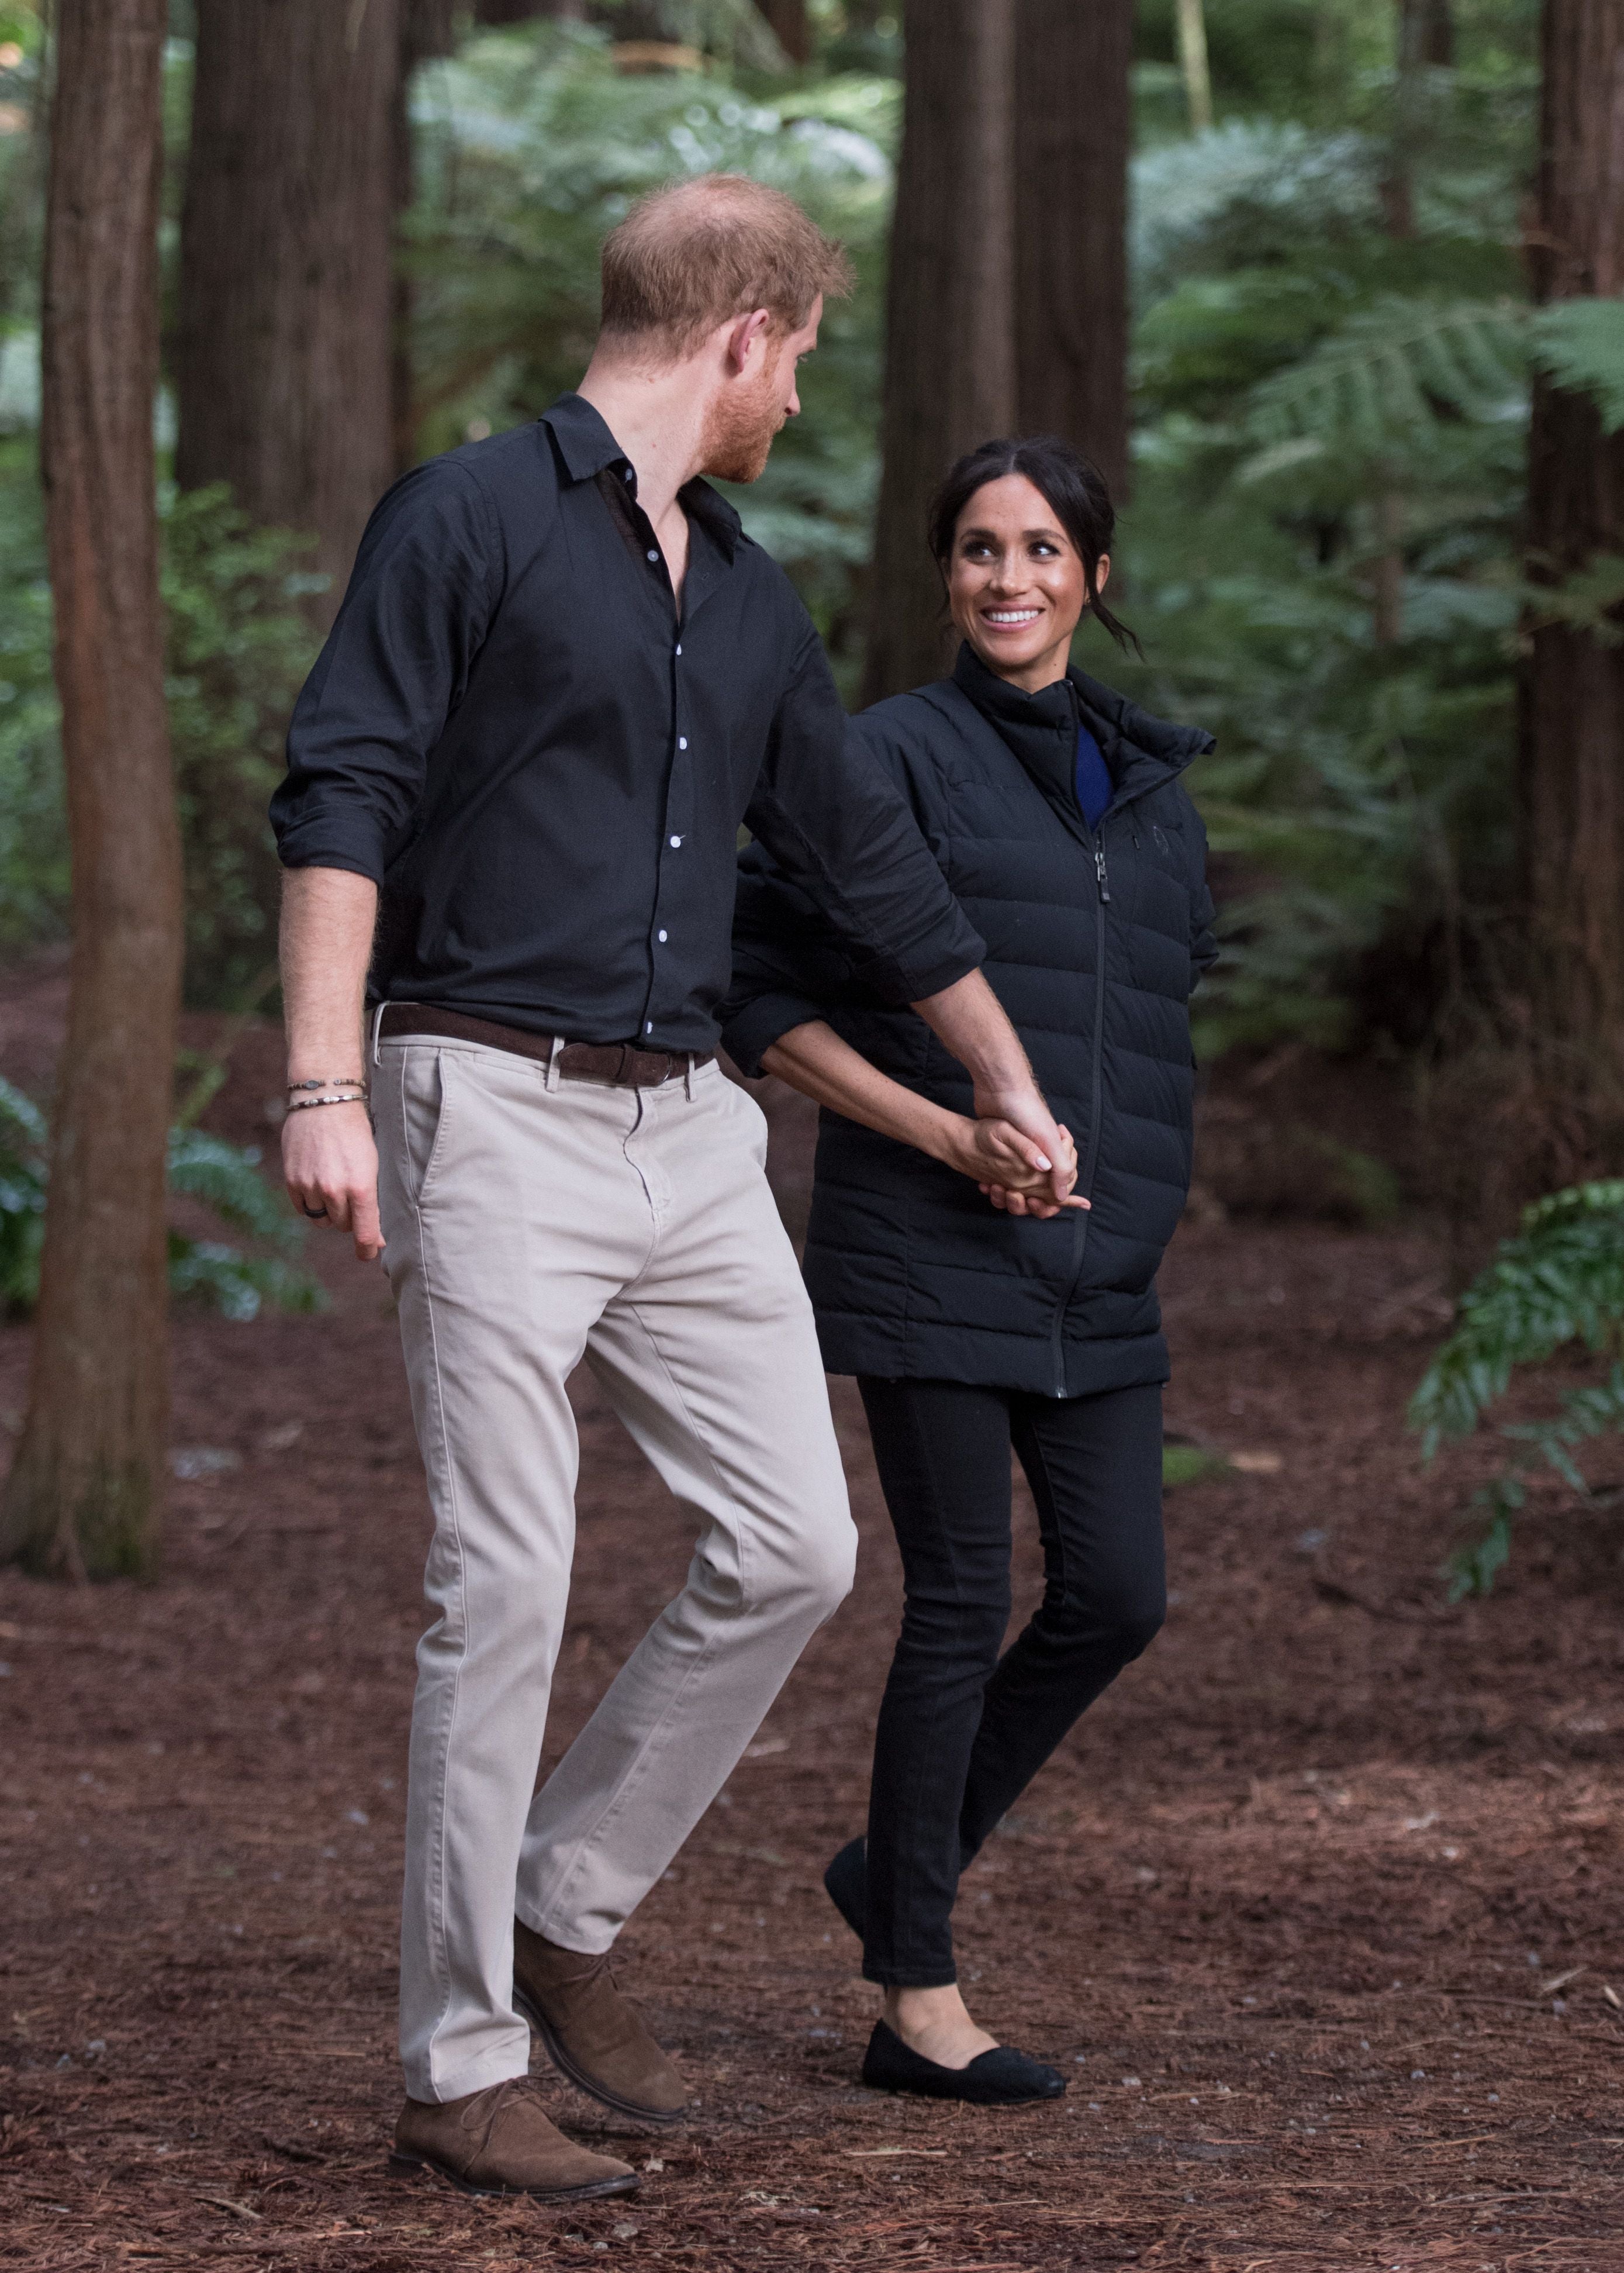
column 1318, row 1911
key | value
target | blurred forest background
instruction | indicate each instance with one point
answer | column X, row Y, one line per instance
column 1324, row 543
column 1292, row 270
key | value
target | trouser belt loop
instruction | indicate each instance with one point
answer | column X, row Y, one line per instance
column 378, row 1032
column 555, row 1047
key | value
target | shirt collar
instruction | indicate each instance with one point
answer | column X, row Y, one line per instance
column 587, row 447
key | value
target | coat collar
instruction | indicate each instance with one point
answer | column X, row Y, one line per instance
column 1040, row 729
column 586, row 448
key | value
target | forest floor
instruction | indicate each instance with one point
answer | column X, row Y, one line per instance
column 1318, row 1911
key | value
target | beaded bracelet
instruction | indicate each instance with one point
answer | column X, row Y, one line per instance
column 333, row 1081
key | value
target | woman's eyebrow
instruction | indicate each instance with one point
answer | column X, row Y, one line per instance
column 1028, row 536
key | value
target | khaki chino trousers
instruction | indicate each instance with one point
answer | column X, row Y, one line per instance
column 532, row 1222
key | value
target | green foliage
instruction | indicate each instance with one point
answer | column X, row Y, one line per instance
column 1321, row 551
column 1581, row 343
column 239, row 647
column 23, row 1140
column 34, row 852
column 1188, row 1463
column 1558, row 1284
column 224, row 1178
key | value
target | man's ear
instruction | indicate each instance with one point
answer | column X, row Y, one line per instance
column 745, row 335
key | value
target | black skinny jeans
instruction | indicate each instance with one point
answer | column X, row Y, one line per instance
column 963, row 1730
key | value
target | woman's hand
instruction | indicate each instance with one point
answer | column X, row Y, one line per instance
column 1011, row 1170
column 1017, row 1172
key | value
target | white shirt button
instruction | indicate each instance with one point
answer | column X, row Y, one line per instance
column 628, row 475
column 676, row 841
column 679, row 647
column 653, row 556
column 662, row 939
column 649, row 1028
column 682, row 741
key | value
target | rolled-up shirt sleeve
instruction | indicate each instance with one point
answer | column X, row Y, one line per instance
column 787, row 966
column 838, row 828
column 395, row 663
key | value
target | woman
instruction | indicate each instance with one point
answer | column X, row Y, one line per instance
column 975, row 1313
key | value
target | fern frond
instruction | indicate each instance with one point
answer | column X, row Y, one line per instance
column 1581, row 343
column 1390, row 371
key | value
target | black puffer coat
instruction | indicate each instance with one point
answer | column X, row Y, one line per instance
column 1094, row 942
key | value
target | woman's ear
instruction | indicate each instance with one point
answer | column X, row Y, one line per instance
column 1102, row 574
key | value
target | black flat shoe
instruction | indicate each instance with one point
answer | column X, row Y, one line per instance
column 846, row 1883
column 1001, row 2078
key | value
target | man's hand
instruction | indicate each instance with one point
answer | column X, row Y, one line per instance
column 328, row 1156
column 968, row 1019
column 331, row 1165
column 1013, row 1171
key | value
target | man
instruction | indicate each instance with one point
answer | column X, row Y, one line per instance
column 560, row 680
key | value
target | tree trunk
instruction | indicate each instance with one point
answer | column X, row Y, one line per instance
column 1072, row 106
column 283, row 363
column 84, row 1491
column 521, row 12
column 428, row 29
column 1197, row 71
column 1428, row 33
column 791, row 25
column 950, row 352
column 1573, row 754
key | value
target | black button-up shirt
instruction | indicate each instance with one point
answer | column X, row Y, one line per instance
column 511, row 732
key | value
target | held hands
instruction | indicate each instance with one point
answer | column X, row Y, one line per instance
column 330, row 1162
column 1017, row 1174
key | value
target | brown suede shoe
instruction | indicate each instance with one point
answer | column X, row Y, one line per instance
column 594, row 2035
column 499, row 2141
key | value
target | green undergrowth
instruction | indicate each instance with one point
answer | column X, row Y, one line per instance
column 236, row 1281
column 1190, row 1464
column 1557, row 1287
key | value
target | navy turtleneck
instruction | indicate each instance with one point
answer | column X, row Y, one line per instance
column 1095, row 787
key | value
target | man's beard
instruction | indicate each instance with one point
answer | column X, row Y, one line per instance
column 740, row 429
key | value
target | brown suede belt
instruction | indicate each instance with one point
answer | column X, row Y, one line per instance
column 618, row 1065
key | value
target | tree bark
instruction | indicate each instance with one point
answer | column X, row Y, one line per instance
column 950, row 321
column 1427, row 32
column 84, row 1491
column 1572, row 710
column 521, row 12
column 1072, row 105
column 791, row 25
column 283, row 365
column 428, row 29
column 1193, row 64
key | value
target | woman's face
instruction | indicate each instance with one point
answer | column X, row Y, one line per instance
column 1015, row 583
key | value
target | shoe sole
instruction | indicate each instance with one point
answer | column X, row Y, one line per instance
column 407, row 2166
column 583, row 2082
column 961, row 2098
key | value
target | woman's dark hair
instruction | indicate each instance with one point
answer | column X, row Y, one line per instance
column 1076, row 494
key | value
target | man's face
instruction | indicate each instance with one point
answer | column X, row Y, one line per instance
column 747, row 414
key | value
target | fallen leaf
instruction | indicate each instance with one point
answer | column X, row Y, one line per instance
column 871, row 2153
column 224, row 2202
column 1559, row 1981
column 1257, row 1464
